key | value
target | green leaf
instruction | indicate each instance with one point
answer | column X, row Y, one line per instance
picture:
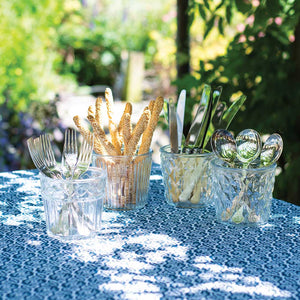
column 281, row 37
column 274, row 8
column 202, row 12
column 220, row 5
column 206, row 3
column 242, row 6
column 228, row 14
column 221, row 25
column 209, row 26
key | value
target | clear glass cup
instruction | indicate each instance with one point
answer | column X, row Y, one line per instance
column 127, row 179
column 185, row 178
column 242, row 196
column 73, row 207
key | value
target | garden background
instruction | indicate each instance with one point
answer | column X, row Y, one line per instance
column 53, row 50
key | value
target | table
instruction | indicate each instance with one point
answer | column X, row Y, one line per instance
column 158, row 252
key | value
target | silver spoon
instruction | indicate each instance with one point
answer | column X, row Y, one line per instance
column 271, row 150
column 248, row 145
column 224, row 145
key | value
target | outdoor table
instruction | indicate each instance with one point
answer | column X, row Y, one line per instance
column 158, row 252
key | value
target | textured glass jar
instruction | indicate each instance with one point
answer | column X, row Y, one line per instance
column 73, row 208
column 185, row 178
column 127, row 179
column 242, row 196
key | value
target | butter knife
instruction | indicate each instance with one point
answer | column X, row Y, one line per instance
column 180, row 115
column 173, row 127
column 197, row 122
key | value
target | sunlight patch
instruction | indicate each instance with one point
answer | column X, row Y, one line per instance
column 262, row 288
column 297, row 220
column 34, row 243
column 155, row 177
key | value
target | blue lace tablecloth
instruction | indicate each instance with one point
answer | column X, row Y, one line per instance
column 158, row 252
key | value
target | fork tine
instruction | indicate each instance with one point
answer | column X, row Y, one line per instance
column 32, row 146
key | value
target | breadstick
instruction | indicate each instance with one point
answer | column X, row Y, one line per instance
column 126, row 131
column 100, row 134
column 127, row 109
column 111, row 124
column 151, row 105
column 91, row 110
column 147, row 135
column 85, row 132
column 140, row 127
column 99, row 110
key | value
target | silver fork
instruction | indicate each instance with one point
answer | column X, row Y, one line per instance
column 48, row 155
column 70, row 153
column 36, row 152
column 85, row 156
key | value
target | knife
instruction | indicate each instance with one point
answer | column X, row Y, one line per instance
column 232, row 111
column 197, row 122
column 180, row 115
column 203, row 138
column 199, row 143
column 173, row 127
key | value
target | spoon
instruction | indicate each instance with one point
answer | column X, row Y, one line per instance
column 271, row 150
column 248, row 145
column 224, row 145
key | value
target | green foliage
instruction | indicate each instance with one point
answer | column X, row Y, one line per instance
column 91, row 54
column 261, row 61
column 28, row 54
column 27, row 50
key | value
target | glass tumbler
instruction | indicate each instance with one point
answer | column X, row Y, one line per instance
column 185, row 178
column 242, row 196
column 127, row 179
column 73, row 207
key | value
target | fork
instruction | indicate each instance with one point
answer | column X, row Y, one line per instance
column 85, row 156
column 70, row 153
column 47, row 155
column 48, row 167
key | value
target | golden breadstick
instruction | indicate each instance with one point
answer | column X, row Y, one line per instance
column 147, row 135
column 127, row 109
column 100, row 134
column 91, row 110
column 99, row 110
column 126, row 131
column 85, row 132
column 151, row 105
column 140, row 127
column 111, row 124
column 115, row 138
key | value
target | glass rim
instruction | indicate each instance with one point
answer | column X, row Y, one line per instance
column 123, row 156
column 215, row 161
column 163, row 150
column 102, row 174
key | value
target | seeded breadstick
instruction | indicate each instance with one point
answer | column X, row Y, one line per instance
column 147, row 135
column 111, row 124
column 99, row 110
column 140, row 127
column 100, row 134
column 85, row 132
column 151, row 105
column 91, row 110
column 127, row 109
column 126, row 131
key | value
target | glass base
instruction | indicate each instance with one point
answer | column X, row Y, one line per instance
column 187, row 204
column 69, row 238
